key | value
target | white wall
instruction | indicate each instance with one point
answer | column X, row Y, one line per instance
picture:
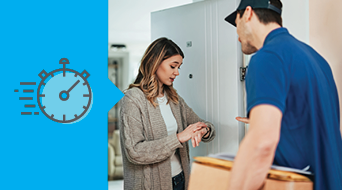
column 296, row 18
column 129, row 23
column 136, row 51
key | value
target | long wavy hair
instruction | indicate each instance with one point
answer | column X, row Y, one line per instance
column 147, row 80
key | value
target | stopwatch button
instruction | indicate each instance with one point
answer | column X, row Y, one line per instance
column 64, row 61
column 43, row 74
column 86, row 74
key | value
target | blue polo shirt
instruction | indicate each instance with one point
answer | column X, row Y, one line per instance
column 292, row 76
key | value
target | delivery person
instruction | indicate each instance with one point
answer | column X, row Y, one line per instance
column 292, row 102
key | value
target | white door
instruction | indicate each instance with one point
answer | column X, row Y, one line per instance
column 209, row 78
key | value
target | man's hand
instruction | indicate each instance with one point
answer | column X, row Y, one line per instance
column 243, row 119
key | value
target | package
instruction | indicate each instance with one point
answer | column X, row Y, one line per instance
column 213, row 174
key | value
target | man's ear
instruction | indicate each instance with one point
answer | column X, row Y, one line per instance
column 247, row 16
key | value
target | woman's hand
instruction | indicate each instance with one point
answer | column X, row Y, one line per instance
column 243, row 119
column 197, row 137
column 189, row 131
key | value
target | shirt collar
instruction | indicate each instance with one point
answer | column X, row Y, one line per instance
column 274, row 33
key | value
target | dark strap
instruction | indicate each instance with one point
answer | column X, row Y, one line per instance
column 274, row 8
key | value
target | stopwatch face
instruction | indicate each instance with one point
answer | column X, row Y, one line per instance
column 64, row 96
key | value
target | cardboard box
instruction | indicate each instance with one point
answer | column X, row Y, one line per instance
column 213, row 174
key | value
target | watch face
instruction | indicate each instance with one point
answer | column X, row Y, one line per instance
column 64, row 95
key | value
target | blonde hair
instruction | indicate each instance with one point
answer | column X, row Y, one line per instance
column 147, row 81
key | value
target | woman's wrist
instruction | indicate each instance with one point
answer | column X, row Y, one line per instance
column 179, row 138
column 183, row 137
column 207, row 134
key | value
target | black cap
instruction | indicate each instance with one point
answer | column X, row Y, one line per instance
column 261, row 4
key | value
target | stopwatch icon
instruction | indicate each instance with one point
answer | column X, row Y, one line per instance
column 64, row 95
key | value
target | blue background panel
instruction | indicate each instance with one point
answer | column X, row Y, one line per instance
column 37, row 153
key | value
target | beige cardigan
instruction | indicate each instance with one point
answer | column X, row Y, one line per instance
column 146, row 146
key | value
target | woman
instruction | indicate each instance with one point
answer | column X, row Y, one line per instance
column 156, row 123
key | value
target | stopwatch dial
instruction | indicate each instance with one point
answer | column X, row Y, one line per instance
column 65, row 97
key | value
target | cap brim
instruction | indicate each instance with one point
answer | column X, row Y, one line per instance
column 231, row 18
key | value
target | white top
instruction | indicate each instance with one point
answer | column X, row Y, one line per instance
column 172, row 127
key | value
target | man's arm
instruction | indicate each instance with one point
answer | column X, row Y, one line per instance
column 256, row 152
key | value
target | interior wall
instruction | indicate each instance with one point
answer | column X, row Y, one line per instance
column 325, row 36
column 296, row 18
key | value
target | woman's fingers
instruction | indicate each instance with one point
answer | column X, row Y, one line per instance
column 198, row 126
column 199, row 138
column 196, row 139
column 193, row 142
column 243, row 119
column 197, row 130
column 203, row 125
column 203, row 131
